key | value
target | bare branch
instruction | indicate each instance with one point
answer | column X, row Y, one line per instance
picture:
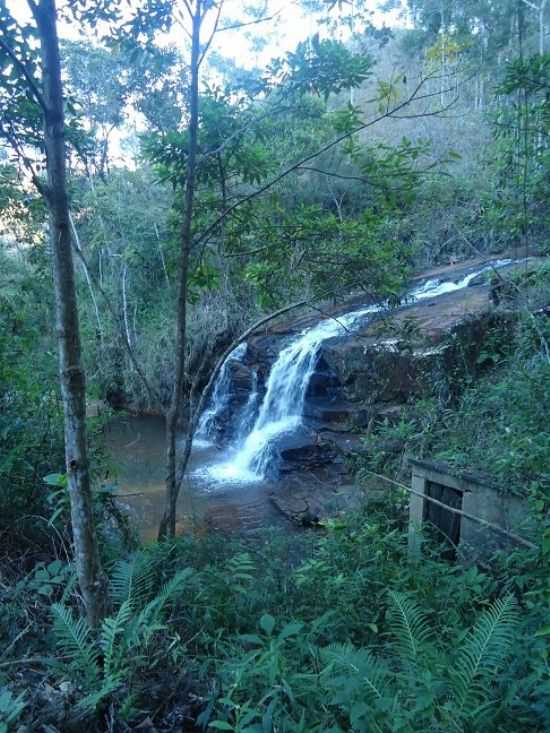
column 189, row 8
column 85, row 268
column 153, row 394
column 332, row 174
column 180, row 21
column 237, row 26
column 248, row 253
column 241, row 131
column 209, row 42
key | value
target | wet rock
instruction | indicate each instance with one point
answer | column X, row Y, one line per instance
column 368, row 376
column 307, row 502
column 303, row 450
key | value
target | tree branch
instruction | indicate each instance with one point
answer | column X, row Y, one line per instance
column 345, row 136
column 153, row 394
column 28, row 77
column 531, row 5
column 209, row 42
column 189, row 9
column 237, row 26
column 10, row 136
column 248, row 253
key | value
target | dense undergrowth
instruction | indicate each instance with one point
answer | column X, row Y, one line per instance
column 331, row 632
column 489, row 414
column 334, row 630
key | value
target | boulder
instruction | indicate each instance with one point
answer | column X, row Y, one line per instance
column 309, row 501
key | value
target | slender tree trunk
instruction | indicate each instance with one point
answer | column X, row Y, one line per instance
column 179, row 411
column 86, row 272
column 161, row 253
column 125, row 303
column 542, row 10
column 73, row 387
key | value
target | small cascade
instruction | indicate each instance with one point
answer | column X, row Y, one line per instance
column 282, row 406
column 219, row 399
column 246, row 416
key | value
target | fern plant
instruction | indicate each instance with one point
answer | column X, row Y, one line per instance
column 485, row 648
column 450, row 690
column 106, row 663
column 409, row 627
column 11, row 708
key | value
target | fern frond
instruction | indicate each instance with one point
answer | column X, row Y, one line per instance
column 132, row 580
column 74, row 640
column 88, row 704
column 363, row 665
column 110, row 630
column 149, row 619
column 485, row 647
column 241, row 567
column 174, row 585
column 11, row 707
column 409, row 626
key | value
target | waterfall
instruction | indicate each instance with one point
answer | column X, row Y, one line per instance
column 282, row 407
column 219, row 399
column 246, row 415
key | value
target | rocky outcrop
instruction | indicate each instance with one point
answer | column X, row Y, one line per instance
column 363, row 378
column 371, row 374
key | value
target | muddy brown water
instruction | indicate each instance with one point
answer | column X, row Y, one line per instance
column 137, row 455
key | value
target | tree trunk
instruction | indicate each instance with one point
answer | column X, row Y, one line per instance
column 179, row 411
column 125, row 303
column 85, row 270
column 161, row 253
column 541, row 26
column 73, row 387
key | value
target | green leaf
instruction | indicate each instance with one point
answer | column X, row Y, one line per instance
column 250, row 639
column 54, row 567
column 221, row 725
column 291, row 629
column 267, row 623
column 56, row 479
column 543, row 631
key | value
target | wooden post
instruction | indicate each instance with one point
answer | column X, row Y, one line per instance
column 416, row 516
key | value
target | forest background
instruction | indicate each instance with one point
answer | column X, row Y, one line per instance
column 201, row 195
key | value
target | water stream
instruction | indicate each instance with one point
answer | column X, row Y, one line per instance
column 137, row 448
column 219, row 399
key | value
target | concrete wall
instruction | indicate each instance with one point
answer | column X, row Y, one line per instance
column 480, row 500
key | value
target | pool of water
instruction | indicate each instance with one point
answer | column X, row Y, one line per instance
column 137, row 454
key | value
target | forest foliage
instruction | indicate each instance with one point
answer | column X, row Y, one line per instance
column 336, row 168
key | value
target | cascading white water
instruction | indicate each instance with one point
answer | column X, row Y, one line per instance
column 246, row 415
column 219, row 400
column 282, row 406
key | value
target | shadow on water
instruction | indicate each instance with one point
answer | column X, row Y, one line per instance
column 137, row 452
